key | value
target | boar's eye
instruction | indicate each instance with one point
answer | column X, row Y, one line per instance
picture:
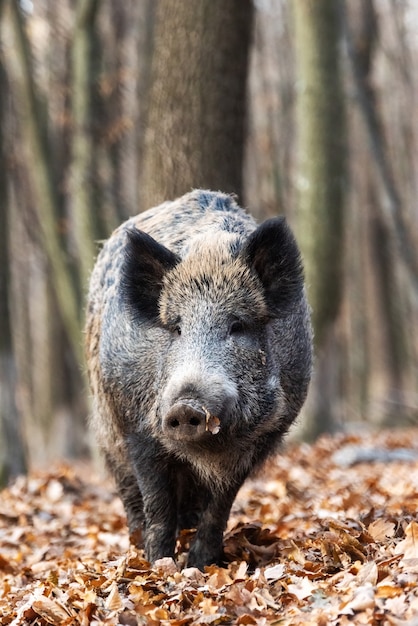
column 236, row 328
column 173, row 327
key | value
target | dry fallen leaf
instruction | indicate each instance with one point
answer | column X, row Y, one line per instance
column 363, row 599
column 301, row 588
column 275, row 572
column 51, row 611
column 166, row 565
column 114, row 601
column 368, row 573
column 409, row 546
column 380, row 529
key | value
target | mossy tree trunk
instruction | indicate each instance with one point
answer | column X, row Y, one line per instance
column 83, row 205
column 321, row 182
column 12, row 449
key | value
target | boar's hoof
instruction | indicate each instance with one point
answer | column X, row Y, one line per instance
column 185, row 422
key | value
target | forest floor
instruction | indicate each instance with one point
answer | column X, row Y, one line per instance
column 328, row 534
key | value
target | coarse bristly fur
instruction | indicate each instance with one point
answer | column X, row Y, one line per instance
column 194, row 314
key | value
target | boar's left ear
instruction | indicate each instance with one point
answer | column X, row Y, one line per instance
column 273, row 253
column 145, row 264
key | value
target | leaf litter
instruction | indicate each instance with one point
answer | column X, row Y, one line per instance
column 312, row 540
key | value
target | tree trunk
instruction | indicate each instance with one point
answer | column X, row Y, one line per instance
column 197, row 100
column 321, row 178
column 83, row 150
column 385, row 228
column 12, row 450
column 361, row 56
column 43, row 184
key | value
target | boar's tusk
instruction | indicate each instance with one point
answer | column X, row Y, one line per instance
column 213, row 424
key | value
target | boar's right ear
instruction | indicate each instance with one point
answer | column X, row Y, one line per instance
column 271, row 250
column 144, row 266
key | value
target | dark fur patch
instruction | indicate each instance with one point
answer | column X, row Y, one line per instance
column 272, row 252
column 145, row 263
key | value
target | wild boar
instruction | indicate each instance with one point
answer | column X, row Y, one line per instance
column 199, row 354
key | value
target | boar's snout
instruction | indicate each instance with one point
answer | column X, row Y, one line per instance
column 185, row 421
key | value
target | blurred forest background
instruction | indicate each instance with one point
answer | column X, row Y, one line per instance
column 303, row 108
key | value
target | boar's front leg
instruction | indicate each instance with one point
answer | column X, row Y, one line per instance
column 156, row 480
column 191, row 497
column 129, row 493
column 208, row 541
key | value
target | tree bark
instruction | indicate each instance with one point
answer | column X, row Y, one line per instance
column 322, row 156
column 12, row 449
column 47, row 204
column 197, row 101
column 361, row 54
column 321, row 181
column 83, row 149
column 385, row 227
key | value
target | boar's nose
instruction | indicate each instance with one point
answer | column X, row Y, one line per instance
column 185, row 421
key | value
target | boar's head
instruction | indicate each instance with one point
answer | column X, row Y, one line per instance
column 223, row 306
